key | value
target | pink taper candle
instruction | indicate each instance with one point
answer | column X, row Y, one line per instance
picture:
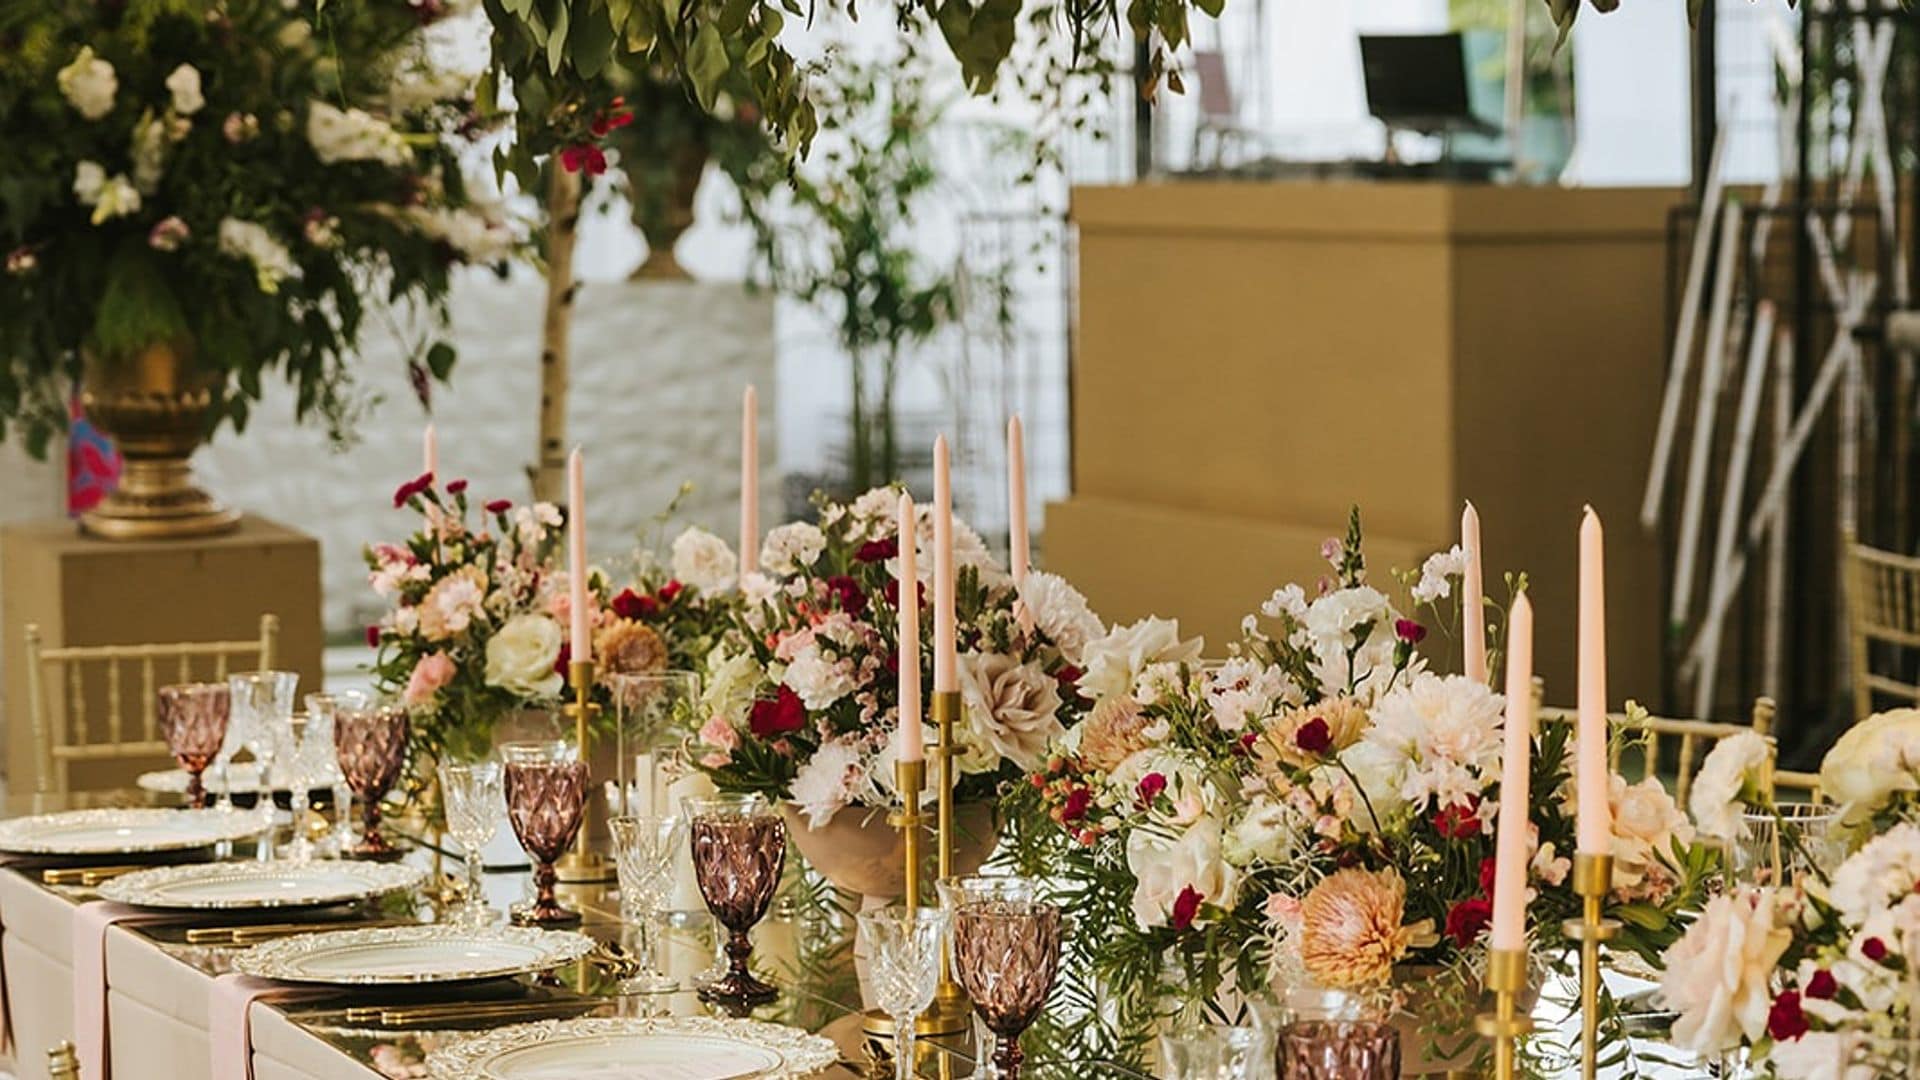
column 1594, row 823
column 1473, row 592
column 912, row 739
column 945, row 662
column 1510, row 867
column 580, row 640
column 429, row 452
column 749, row 479
column 1018, row 552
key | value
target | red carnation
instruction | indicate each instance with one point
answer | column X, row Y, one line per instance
column 455, row 487
column 670, row 590
column 783, row 714
column 632, row 605
column 852, row 600
column 1068, row 675
column 1458, row 821
column 1467, row 919
column 584, row 156
column 1076, row 805
column 1785, row 1021
column 878, row 550
column 1875, row 949
column 564, row 659
column 1486, row 875
column 1151, row 785
column 1409, row 631
column 499, row 506
column 1185, row 907
column 1823, row 985
column 1314, row 736
column 373, row 637
column 411, row 488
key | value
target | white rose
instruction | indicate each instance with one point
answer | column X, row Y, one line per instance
column 704, row 561
column 1268, row 832
column 1012, row 707
column 1646, row 822
column 791, row 546
column 1163, row 867
column 1718, row 799
column 184, row 85
column 1886, row 869
column 1116, row 659
column 1815, row 1055
column 1061, row 613
column 521, row 656
column 88, row 84
column 1876, row 759
column 1718, row 975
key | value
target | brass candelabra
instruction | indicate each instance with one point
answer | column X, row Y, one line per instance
column 1592, row 880
column 583, row 864
column 951, row 1011
column 910, row 777
column 1506, row 977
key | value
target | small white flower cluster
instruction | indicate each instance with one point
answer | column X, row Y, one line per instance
column 110, row 197
column 272, row 262
column 338, row 135
column 89, row 84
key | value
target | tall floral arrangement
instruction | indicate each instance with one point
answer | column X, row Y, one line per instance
column 801, row 701
column 1316, row 809
column 244, row 179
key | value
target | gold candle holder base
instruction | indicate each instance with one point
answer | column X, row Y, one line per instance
column 1592, row 880
column 950, row 1003
column 1506, row 978
column 583, row 865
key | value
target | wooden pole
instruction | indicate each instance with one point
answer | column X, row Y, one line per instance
column 549, row 473
column 1706, row 406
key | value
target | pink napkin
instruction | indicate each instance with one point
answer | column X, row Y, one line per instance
column 229, row 1020
column 90, row 923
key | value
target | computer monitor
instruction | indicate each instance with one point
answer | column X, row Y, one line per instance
column 1418, row 82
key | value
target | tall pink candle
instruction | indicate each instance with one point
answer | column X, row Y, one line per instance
column 912, row 739
column 749, row 479
column 1593, row 826
column 1510, row 851
column 945, row 662
column 580, row 639
column 1018, row 552
column 429, row 452
column 1473, row 592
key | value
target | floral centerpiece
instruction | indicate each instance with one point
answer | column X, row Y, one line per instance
column 801, row 693
column 200, row 195
column 1314, row 810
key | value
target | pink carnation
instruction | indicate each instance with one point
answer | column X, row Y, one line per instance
column 717, row 733
column 433, row 671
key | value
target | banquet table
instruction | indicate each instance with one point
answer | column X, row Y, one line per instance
column 160, row 987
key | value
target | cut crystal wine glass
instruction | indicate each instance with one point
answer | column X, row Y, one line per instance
column 904, row 948
column 644, row 849
column 476, row 804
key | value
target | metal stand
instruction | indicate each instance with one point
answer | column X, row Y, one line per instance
column 1592, row 880
column 911, row 778
column 951, row 1012
column 1506, row 977
column 583, row 864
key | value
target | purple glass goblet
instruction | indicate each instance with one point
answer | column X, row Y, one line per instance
column 371, row 742
column 739, row 849
column 1006, row 952
column 193, row 720
column 546, row 787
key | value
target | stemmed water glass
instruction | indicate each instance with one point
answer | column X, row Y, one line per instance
column 193, row 719
column 546, row 786
column 1006, row 952
column 475, row 804
column 643, row 850
column 1218, row 1052
column 322, row 707
column 261, row 703
column 739, row 849
column 904, row 946
column 372, row 744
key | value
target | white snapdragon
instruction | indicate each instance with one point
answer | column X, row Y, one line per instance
column 89, row 84
column 272, row 262
column 110, row 196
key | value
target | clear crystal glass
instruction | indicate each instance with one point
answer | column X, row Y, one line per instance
column 653, row 713
column 320, row 761
column 476, row 805
column 1217, row 1052
column 904, row 946
column 644, row 849
column 260, row 704
column 1785, row 844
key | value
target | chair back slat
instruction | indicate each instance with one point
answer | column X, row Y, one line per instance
column 1882, row 593
column 149, row 706
column 1691, row 740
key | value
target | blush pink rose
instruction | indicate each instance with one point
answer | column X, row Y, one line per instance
column 719, row 734
column 433, row 671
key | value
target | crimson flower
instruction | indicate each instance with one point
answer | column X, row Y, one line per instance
column 1151, row 785
column 1823, row 985
column 1185, row 907
column 455, row 487
column 373, row 637
column 585, row 156
column 1068, row 675
column 1076, row 805
column 411, row 488
column 853, row 601
column 670, row 590
column 878, row 550
column 1409, row 631
column 499, row 506
column 1314, row 736
column 611, row 118
column 1467, row 919
column 1486, row 875
column 632, row 605
column 1786, row 1021
column 777, row 717
column 1458, row 821
column 564, row 659
column 1875, row 949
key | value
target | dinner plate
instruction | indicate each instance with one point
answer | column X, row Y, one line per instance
column 243, row 778
column 122, row 832
column 625, row 1048
column 405, row 955
column 242, row 885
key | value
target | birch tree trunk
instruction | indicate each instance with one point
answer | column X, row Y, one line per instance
column 549, row 472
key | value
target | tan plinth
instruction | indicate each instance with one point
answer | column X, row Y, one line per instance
column 86, row 591
column 1253, row 358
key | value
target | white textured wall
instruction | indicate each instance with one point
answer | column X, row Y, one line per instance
column 657, row 374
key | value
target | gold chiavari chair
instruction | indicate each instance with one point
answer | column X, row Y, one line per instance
column 67, row 729
column 1883, row 609
column 1689, row 741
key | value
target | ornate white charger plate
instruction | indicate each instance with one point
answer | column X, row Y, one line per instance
column 134, row 831
column 242, row 779
column 409, row 955
column 250, row 885
column 627, row 1048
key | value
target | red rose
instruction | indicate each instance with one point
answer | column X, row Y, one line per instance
column 1409, row 631
column 670, row 590
column 777, row 717
column 584, row 156
column 1486, row 875
column 1823, row 985
column 373, row 637
column 1185, row 907
column 499, row 506
column 1785, row 1021
column 852, row 600
column 455, row 487
column 1151, row 785
column 1875, row 949
column 878, row 550
column 1314, row 736
column 1076, row 805
column 565, row 658
column 1458, row 821
column 1467, row 919
column 632, row 605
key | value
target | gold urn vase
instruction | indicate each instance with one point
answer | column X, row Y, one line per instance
column 156, row 405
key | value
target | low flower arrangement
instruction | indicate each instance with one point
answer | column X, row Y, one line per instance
column 1315, row 810
column 801, row 694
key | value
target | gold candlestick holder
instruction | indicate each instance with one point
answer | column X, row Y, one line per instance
column 583, row 865
column 1592, row 880
column 951, row 1011
column 1506, row 977
column 910, row 777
